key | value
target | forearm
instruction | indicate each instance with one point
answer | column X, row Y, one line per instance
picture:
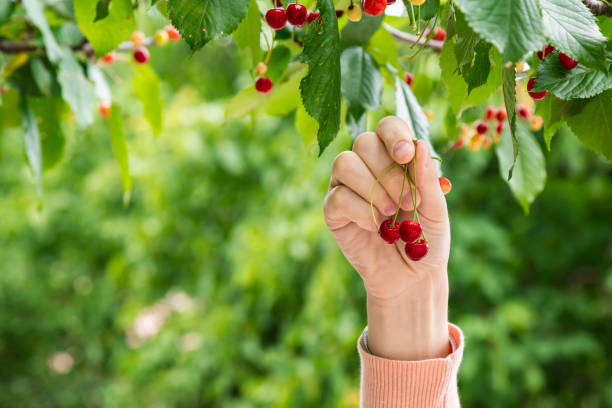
column 413, row 326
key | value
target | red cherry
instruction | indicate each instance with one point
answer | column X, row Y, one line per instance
column 548, row 50
column 523, row 112
column 141, row 55
column 173, row 33
column 500, row 126
column 373, row 7
column 458, row 144
column 312, row 16
column 296, row 14
column 390, row 2
column 276, row 18
column 501, row 114
column 263, row 84
column 109, row 58
column 482, row 128
column 339, row 13
column 408, row 78
column 490, row 113
column 535, row 95
column 440, row 34
column 445, row 185
column 567, row 62
column 416, row 250
column 104, row 108
column 390, row 234
column 410, row 231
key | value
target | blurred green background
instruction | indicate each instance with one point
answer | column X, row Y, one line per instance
column 220, row 286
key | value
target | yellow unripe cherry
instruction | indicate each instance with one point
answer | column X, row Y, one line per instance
column 417, row 2
column 261, row 68
column 161, row 37
column 354, row 13
column 536, row 123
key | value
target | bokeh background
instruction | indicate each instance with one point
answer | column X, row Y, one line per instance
column 220, row 286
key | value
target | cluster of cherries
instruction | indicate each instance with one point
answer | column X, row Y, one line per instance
column 140, row 54
column 409, row 231
column 566, row 62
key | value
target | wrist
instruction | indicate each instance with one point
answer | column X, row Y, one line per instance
column 411, row 326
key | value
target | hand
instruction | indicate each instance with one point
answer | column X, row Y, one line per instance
column 407, row 300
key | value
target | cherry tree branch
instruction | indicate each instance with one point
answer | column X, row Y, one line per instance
column 413, row 39
column 599, row 8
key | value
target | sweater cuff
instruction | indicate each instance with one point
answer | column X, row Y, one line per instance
column 427, row 383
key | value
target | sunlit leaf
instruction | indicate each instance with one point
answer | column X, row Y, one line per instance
column 117, row 137
column 146, row 88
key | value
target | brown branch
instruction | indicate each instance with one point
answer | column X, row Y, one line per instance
column 413, row 39
column 15, row 47
column 598, row 8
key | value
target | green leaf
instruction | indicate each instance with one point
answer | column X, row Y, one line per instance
column 44, row 76
column 101, row 88
column 580, row 82
column 244, row 102
column 102, row 9
column 48, row 112
column 554, row 111
column 358, row 33
column 247, row 33
column 593, row 125
column 76, row 89
column 279, row 59
column 362, row 82
column 429, row 9
column 529, row 167
column 509, row 89
column 320, row 89
column 383, row 48
column 117, row 137
column 284, row 97
column 306, row 125
column 36, row 13
column 146, row 88
column 105, row 35
column 455, row 85
column 465, row 42
column 513, row 26
column 478, row 73
column 31, row 142
column 201, row 21
column 572, row 29
column 408, row 108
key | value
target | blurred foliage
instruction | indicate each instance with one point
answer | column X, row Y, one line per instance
column 220, row 286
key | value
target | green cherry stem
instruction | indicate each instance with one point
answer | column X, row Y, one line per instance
column 419, row 21
column 415, row 213
column 374, row 187
column 399, row 205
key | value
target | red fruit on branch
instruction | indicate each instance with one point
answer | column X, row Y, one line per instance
column 141, row 55
column 524, row 112
column 440, row 34
column 408, row 78
column 501, row 114
column 389, row 233
column 490, row 113
column 416, row 250
column 535, row 95
column 109, row 58
column 567, row 62
column 445, row 185
column 173, row 33
column 458, row 144
column 499, row 127
column 410, row 231
column 263, row 84
column 374, row 7
column 276, row 18
column 390, row 2
column 546, row 52
column 312, row 16
column 339, row 13
column 482, row 128
column 296, row 14
column 104, row 108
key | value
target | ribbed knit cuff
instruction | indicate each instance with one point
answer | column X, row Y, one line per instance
column 411, row 384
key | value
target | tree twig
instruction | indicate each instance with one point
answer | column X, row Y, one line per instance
column 413, row 39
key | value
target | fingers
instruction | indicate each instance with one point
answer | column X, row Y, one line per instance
column 433, row 204
column 369, row 147
column 397, row 138
column 350, row 170
column 343, row 206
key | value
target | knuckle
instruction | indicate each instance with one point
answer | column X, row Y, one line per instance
column 364, row 142
column 343, row 163
column 334, row 200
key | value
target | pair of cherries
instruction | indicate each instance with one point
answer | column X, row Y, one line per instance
column 410, row 232
column 296, row 14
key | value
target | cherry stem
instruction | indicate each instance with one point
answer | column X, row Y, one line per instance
column 415, row 213
column 399, row 204
column 414, row 26
column 374, row 187
column 419, row 21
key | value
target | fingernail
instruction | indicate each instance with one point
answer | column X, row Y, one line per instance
column 401, row 149
column 390, row 209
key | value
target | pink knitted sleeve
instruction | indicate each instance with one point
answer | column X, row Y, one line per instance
column 411, row 384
